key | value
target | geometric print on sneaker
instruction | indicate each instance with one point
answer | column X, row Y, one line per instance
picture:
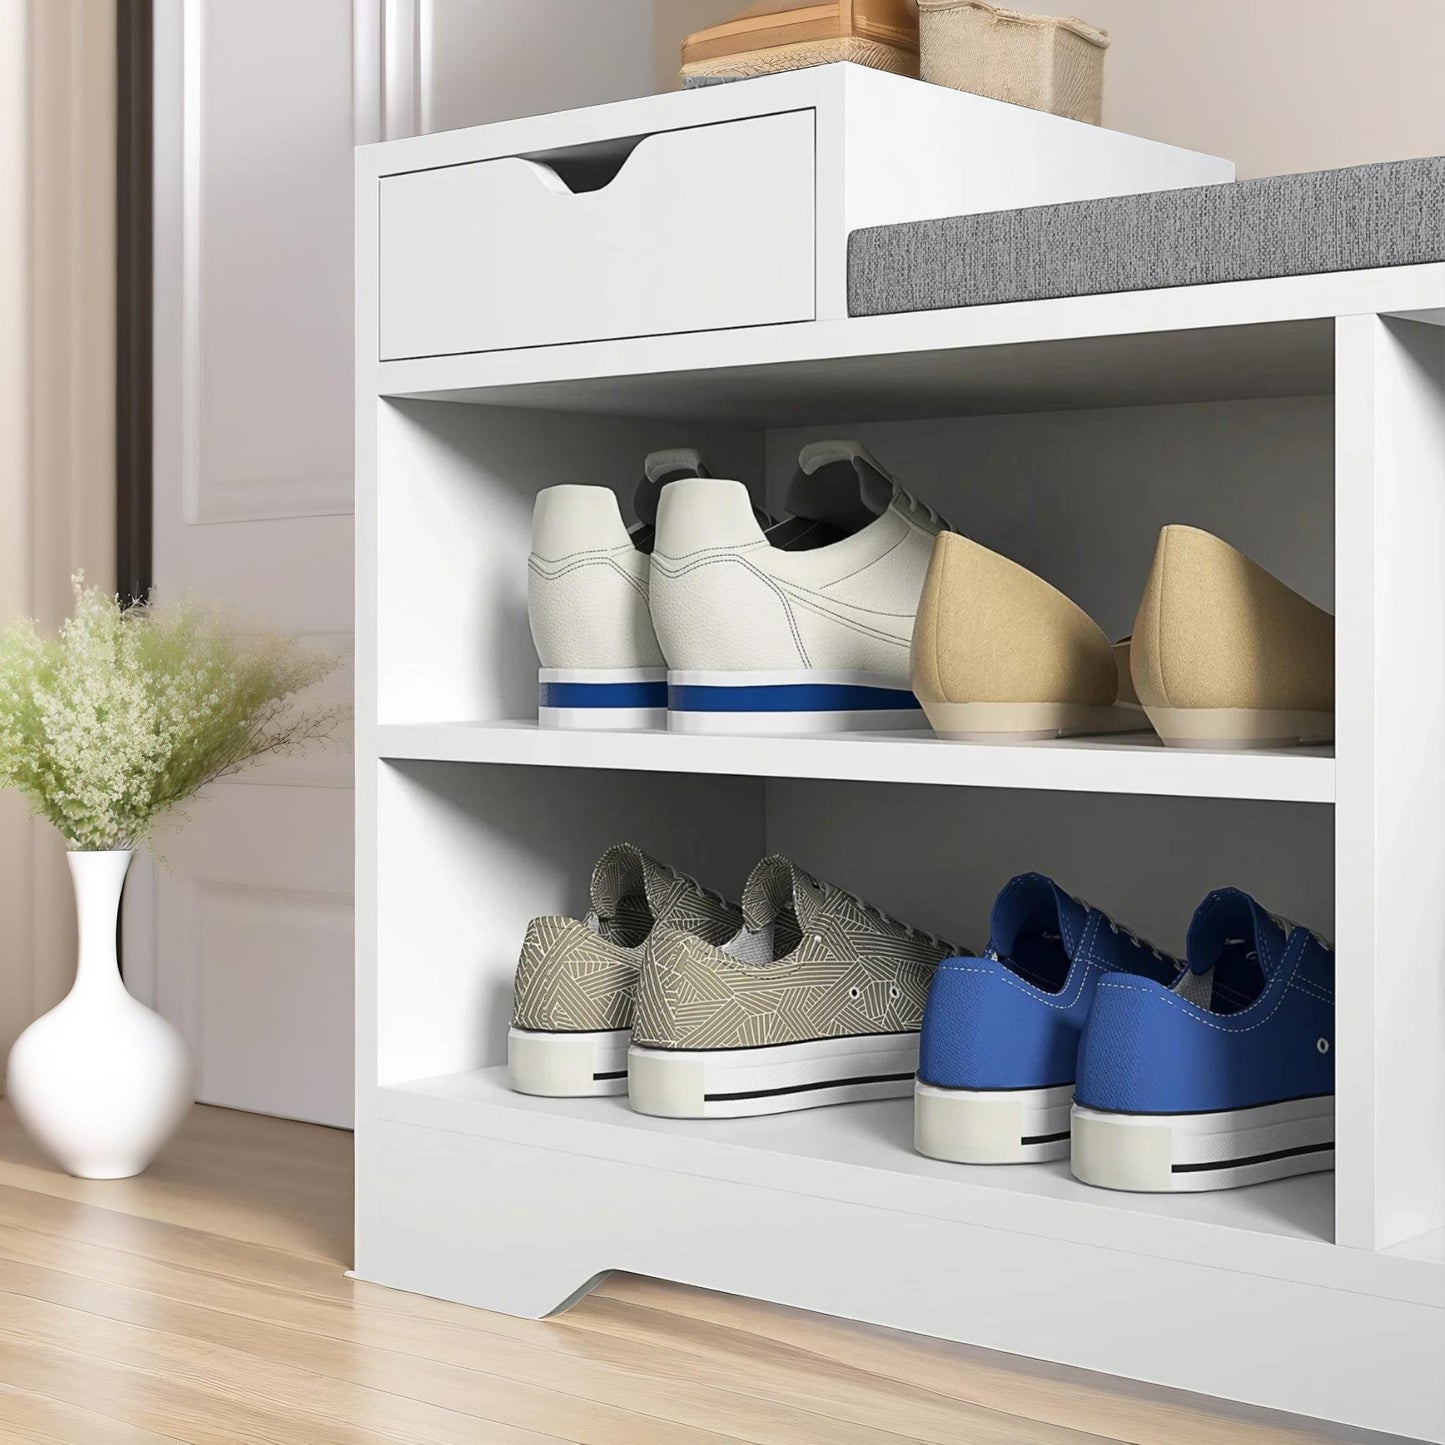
column 578, row 976
column 814, row 963
column 631, row 890
column 571, row 980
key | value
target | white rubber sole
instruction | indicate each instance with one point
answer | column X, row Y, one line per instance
column 602, row 699
column 799, row 701
column 1029, row 721
column 1191, row 1153
column 992, row 1126
column 741, row 1083
column 567, row 1066
column 1240, row 727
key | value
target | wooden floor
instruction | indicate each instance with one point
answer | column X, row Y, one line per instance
column 206, row 1302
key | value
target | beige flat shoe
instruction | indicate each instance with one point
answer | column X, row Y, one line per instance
column 1224, row 655
column 998, row 654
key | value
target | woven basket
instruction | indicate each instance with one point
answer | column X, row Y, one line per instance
column 1046, row 62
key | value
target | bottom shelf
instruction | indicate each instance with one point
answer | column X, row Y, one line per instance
column 865, row 1151
column 469, row 1192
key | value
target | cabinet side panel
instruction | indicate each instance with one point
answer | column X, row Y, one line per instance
column 367, row 406
column 1390, row 852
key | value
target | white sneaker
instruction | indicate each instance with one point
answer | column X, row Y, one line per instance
column 587, row 602
column 768, row 636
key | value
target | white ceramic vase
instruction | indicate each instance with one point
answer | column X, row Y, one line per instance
column 101, row 1081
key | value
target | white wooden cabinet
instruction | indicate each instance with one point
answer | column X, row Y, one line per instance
column 1304, row 419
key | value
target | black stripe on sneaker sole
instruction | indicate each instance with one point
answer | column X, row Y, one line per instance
column 809, row 1088
column 1208, row 1168
column 620, row 1074
column 1046, row 1138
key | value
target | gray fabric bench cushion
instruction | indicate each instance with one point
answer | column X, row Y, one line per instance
column 1346, row 220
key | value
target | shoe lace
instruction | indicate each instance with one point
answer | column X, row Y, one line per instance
column 917, row 505
column 1122, row 930
column 873, row 911
column 692, row 882
column 1286, row 927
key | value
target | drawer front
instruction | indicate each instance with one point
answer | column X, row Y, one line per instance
column 700, row 229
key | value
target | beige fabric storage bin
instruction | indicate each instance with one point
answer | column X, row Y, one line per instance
column 1046, row 62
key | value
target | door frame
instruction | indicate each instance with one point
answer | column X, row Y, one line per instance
column 134, row 291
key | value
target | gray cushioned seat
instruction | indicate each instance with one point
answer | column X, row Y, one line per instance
column 1345, row 220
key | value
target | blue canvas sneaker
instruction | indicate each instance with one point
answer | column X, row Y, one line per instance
column 1001, row 1032
column 1226, row 1078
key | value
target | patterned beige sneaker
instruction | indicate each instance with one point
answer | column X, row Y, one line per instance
column 1000, row 654
column 577, row 978
column 818, row 1001
column 1226, row 656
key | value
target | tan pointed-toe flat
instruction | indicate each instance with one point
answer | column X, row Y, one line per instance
column 1000, row 654
column 1224, row 655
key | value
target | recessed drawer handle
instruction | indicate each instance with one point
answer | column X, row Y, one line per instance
column 591, row 167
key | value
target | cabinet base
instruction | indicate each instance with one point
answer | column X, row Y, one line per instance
column 526, row 1231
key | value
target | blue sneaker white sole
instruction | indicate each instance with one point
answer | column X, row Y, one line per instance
column 567, row 1065
column 992, row 1126
column 806, row 700
column 770, row 1079
column 1190, row 1153
column 608, row 698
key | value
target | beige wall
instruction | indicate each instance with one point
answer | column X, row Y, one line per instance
column 1276, row 85
column 493, row 59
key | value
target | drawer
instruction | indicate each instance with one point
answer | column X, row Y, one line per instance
column 699, row 229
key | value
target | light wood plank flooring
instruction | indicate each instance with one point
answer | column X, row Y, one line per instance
column 206, row 1302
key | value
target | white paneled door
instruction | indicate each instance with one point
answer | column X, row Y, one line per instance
column 243, row 935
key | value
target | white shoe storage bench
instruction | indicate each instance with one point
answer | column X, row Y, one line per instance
column 547, row 300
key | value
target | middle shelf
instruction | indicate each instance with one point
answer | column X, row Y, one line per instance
column 1078, row 765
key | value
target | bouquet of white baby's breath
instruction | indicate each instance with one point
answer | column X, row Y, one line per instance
column 132, row 710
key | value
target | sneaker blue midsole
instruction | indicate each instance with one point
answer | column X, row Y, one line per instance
column 602, row 694
column 789, row 697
